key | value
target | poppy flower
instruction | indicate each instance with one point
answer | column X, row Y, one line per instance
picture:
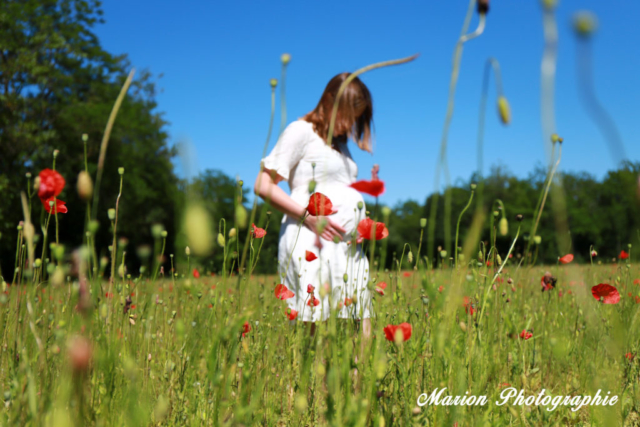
column 636, row 282
column 246, row 328
column 594, row 254
column 406, row 274
column 381, row 287
column 637, row 299
column 310, row 289
column 257, row 233
column 525, row 335
column 309, row 256
column 605, row 293
column 504, row 385
column 548, row 282
column 566, row 259
column 319, row 204
column 390, row 331
column 315, row 301
column 291, row 314
column 51, row 184
column 623, row 255
column 365, row 230
column 630, row 356
column 196, row 273
column 440, row 288
column 283, row 293
column 58, row 208
column 348, row 301
column 374, row 187
column 469, row 306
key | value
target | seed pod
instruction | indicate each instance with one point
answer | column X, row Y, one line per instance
column 312, row 186
column 504, row 110
column 285, row 58
column 111, row 213
column 241, row 216
column 537, row 240
column 584, row 23
column 423, row 221
column 273, row 83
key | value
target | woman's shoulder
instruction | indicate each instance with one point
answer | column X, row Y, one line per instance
column 300, row 125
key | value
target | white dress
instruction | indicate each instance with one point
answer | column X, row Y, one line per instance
column 297, row 149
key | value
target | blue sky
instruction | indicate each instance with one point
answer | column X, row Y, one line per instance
column 216, row 59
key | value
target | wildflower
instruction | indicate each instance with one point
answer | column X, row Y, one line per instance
column 374, row 187
column 50, row 185
column 548, row 282
column 623, row 255
column 381, row 287
column 257, row 233
column 310, row 289
column 636, row 282
column 291, row 314
column 246, row 328
column 594, row 254
column 348, row 301
column 440, row 288
column 319, row 204
column 283, row 293
column 406, row 274
column 605, row 293
column 196, row 273
column 504, row 385
column 313, row 301
column 525, row 335
column 469, row 306
column 365, row 230
column 59, row 206
column 566, row 259
column 309, row 256
column 630, row 356
column 401, row 331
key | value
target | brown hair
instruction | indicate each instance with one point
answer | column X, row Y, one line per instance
column 355, row 112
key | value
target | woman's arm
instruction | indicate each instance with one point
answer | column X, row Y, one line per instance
column 267, row 188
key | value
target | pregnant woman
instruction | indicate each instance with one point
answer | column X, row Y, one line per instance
column 337, row 278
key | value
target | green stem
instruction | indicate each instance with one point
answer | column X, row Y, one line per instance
column 458, row 227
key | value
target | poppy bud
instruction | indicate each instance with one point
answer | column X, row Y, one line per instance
column 473, row 186
column 345, row 278
column 55, row 153
column 584, row 23
column 111, row 213
column 443, row 254
column 504, row 110
column 232, row 233
column 85, row 138
column 37, row 263
column 36, row 184
column 104, row 261
column 57, row 278
column 273, row 82
column 121, row 171
column 221, row 240
column 463, row 326
column 461, row 257
column 163, row 234
column 519, row 218
column 312, row 186
column 285, row 58
column 197, row 225
column 410, row 257
column 93, row 226
column 503, row 226
column 28, row 175
column 423, row 222
column 156, row 230
column 537, row 240
column 241, row 216
column 336, row 239
column 496, row 213
column 499, row 259
column 386, row 211
column 360, row 206
column 187, row 251
column 483, row 6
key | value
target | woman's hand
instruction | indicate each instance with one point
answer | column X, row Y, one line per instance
column 331, row 229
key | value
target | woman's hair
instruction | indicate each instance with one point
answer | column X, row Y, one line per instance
column 355, row 111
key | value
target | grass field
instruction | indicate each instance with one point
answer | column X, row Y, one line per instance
column 218, row 351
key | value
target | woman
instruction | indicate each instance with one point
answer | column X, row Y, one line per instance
column 338, row 277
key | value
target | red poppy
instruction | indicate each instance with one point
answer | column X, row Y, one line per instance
column 365, row 230
column 374, row 188
column 381, row 287
column 348, row 301
column 283, row 293
column 309, row 256
column 440, row 288
column 637, row 299
column 636, row 282
column 291, row 314
column 630, row 356
column 406, row 274
column 525, row 335
column 390, row 331
column 246, row 328
column 58, row 208
column 319, row 204
column 489, row 263
column 566, row 259
column 196, row 273
column 623, row 255
column 310, row 289
column 51, row 184
column 108, row 295
column 548, row 282
column 605, row 293
column 469, row 306
column 257, row 233
column 504, row 385
column 315, row 301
